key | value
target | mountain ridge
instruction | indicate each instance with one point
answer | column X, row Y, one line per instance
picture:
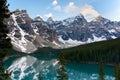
column 29, row 34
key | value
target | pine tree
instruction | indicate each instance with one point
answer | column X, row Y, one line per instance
column 5, row 42
column 61, row 71
column 40, row 77
column 4, row 74
column 117, row 72
column 101, row 70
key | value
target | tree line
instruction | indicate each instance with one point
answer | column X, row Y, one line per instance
column 105, row 51
column 109, row 51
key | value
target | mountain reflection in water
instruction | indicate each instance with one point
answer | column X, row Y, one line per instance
column 30, row 67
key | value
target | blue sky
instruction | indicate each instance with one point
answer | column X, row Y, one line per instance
column 61, row 9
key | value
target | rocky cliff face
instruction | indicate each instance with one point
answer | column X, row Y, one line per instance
column 28, row 34
column 25, row 32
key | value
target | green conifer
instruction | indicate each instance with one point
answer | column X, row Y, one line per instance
column 5, row 42
column 117, row 72
column 61, row 71
column 101, row 70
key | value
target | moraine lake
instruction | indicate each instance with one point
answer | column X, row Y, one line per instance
column 29, row 67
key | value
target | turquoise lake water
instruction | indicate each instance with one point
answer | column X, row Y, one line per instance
column 29, row 67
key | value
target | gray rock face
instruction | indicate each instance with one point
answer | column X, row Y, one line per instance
column 77, row 28
column 28, row 34
column 23, row 31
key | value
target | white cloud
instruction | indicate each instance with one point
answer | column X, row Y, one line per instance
column 71, row 8
column 48, row 15
column 57, row 8
column 55, row 2
column 88, row 11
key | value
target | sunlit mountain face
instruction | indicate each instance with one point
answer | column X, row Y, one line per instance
column 62, row 24
column 27, row 34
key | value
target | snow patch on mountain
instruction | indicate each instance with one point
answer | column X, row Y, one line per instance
column 35, row 29
column 29, row 34
column 56, row 43
column 112, row 31
column 98, row 38
column 21, row 43
column 70, row 43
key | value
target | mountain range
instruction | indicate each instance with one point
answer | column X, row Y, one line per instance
column 27, row 34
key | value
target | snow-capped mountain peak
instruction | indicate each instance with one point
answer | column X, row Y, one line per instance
column 28, row 34
column 100, row 19
column 79, row 20
column 79, row 16
column 50, row 20
column 38, row 18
